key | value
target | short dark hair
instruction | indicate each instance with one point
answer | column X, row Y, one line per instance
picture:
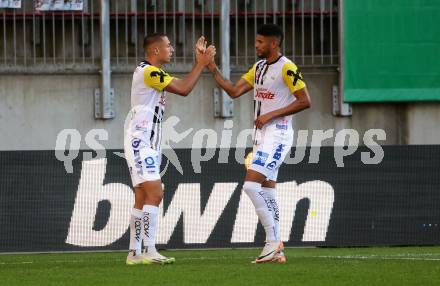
column 153, row 38
column 271, row 30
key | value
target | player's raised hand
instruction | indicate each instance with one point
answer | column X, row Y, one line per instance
column 207, row 56
column 200, row 45
column 211, row 65
column 211, row 51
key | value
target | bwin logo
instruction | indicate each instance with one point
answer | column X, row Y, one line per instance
column 186, row 203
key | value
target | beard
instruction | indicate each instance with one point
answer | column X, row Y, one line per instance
column 263, row 54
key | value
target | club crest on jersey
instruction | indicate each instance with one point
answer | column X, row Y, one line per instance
column 162, row 100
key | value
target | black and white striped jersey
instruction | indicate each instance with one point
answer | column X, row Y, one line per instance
column 274, row 83
column 148, row 99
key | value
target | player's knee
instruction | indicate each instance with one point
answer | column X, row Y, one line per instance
column 251, row 187
column 255, row 194
column 154, row 197
column 158, row 196
column 249, row 184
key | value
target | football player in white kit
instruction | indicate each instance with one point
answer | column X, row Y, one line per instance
column 279, row 92
column 142, row 139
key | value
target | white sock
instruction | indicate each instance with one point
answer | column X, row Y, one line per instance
column 136, row 231
column 149, row 226
column 262, row 207
column 271, row 196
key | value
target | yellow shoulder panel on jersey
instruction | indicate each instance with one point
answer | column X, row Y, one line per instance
column 292, row 77
column 249, row 76
column 156, row 78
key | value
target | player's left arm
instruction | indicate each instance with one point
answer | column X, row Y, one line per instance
column 293, row 79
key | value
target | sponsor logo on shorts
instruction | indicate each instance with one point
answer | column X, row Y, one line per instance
column 281, row 126
column 260, row 158
column 277, row 155
column 271, row 165
column 149, row 162
column 135, row 143
column 138, row 162
column 137, row 157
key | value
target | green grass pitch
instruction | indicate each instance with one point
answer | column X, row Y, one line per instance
column 305, row 266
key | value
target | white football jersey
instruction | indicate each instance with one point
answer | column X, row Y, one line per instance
column 274, row 85
column 147, row 103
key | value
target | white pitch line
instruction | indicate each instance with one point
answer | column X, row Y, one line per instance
column 22, row 262
column 375, row 258
column 403, row 256
column 408, row 254
column 105, row 260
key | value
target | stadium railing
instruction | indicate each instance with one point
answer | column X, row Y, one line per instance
column 69, row 42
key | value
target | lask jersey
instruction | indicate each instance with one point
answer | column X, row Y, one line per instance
column 274, row 85
column 147, row 104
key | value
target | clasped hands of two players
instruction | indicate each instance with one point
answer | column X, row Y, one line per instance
column 205, row 56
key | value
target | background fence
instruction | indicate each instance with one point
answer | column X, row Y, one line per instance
column 69, row 41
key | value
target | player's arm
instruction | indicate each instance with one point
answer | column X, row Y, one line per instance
column 294, row 81
column 184, row 86
column 233, row 90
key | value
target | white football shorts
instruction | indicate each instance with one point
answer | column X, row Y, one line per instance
column 271, row 147
column 143, row 161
